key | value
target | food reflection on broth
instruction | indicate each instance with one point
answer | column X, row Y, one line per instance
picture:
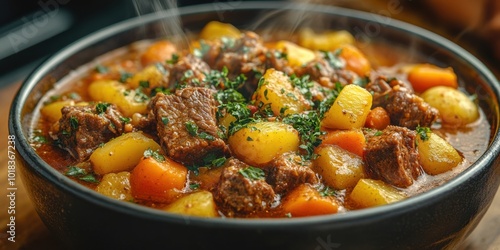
column 241, row 127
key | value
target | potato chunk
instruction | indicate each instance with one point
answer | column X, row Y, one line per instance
column 116, row 186
column 52, row 111
column 350, row 109
column 216, row 30
column 116, row 93
column 151, row 76
column 327, row 41
column 276, row 91
column 370, row 193
column 436, row 154
column 339, row 168
column 455, row 108
column 296, row 55
column 196, row 204
column 121, row 153
column 258, row 143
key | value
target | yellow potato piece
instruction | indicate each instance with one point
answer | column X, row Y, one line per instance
column 116, row 186
column 296, row 55
column 339, row 168
column 215, row 30
column 370, row 193
column 437, row 155
column 150, row 74
column 327, row 41
column 121, row 153
column 350, row 109
column 258, row 143
column 455, row 108
column 276, row 90
column 196, row 204
column 52, row 111
column 114, row 92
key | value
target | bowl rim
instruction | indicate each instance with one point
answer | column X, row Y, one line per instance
column 365, row 215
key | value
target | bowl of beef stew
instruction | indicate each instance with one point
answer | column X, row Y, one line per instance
column 248, row 130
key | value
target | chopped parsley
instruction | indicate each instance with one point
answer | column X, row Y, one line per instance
column 154, row 154
column 308, row 125
column 304, row 85
column 327, row 191
column 194, row 186
column 192, row 128
column 174, row 59
column 81, row 174
column 125, row 120
column 334, row 59
column 124, row 76
column 73, row 122
column 101, row 107
column 423, row 132
column 101, row 69
column 164, row 120
column 202, row 50
column 144, row 84
column 253, row 173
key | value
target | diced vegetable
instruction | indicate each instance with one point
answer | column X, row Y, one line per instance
column 158, row 52
column 121, row 153
column 378, row 118
column 52, row 111
column 258, row 143
column 350, row 109
column 352, row 140
column 113, row 92
column 150, row 76
column 326, row 41
column 116, row 186
column 425, row 76
column 276, row 91
column 355, row 60
column 158, row 181
column 455, row 108
column 215, row 30
column 296, row 55
column 436, row 154
column 196, row 204
column 207, row 178
column 338, row 168
column 304, row 200
column 370, row 193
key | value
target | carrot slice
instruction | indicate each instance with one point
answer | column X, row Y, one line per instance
column 157, row 181
column 304, row 200
column 425, row 76
column 351, row 140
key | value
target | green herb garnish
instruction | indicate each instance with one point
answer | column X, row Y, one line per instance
column 253, row 173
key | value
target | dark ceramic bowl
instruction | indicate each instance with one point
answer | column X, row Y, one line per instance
column 82, row 218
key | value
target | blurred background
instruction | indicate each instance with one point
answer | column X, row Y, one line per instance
column 30, row 30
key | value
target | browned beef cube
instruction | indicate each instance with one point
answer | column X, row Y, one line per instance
column 322, row 72
column 404, row 107
column 236, row 194
column 82, row 129
column 187, row 125
column 189, row 71
column 288, row 171
column 392, row 156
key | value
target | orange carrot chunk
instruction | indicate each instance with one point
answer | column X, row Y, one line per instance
column 351, row 140
column 305, row 200
column 377, row 118
column 158, row 52
column 425, row 76
column 157, row 181
column 355, row 60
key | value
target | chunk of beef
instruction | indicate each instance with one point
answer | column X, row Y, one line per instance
column 187, row 125
column 404, row 107
column 245, row 55
column 392, row 156
column 236, row 194
column 188, row 71
column 288, row 170
column 326, row 74
column 82, row 129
